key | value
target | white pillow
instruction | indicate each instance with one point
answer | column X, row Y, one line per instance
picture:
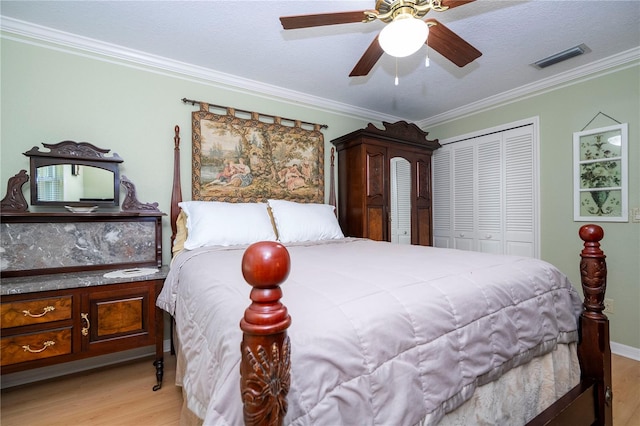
column 213, row 223
column 304, row 222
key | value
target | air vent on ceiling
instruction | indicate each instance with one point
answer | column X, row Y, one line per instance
column 561, row 56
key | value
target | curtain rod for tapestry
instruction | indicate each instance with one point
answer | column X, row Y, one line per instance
column 596, row 116
column 275, row 117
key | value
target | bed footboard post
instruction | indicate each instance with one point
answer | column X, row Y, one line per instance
column 594, row 351
column 265, row 365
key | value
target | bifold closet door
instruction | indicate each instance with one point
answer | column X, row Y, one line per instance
column 484, row 192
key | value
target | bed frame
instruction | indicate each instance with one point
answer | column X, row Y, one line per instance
column 265, row 366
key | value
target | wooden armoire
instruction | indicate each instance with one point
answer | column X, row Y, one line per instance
column 364, row 163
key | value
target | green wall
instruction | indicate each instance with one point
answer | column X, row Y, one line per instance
column 49, row 96
column 563, row 111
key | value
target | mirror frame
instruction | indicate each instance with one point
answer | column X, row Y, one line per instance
column 74, row 153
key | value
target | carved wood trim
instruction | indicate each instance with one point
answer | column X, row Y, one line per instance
column 593, row 271
column 74, row 150
column 401, row 130
column 14, row 200
column 594, row 350
column 131, row 203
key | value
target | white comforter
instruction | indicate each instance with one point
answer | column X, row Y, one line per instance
column 382, row 334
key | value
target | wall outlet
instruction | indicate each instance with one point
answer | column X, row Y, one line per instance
column 635, row 214
column 608, row 306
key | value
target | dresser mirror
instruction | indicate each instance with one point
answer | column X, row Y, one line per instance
column 74, row 174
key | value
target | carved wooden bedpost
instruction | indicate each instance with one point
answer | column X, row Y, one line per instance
column 594, row 351
column 176, row 190
column 265, row 366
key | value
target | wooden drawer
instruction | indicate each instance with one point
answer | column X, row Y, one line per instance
column 16, row 314
column 29, row 347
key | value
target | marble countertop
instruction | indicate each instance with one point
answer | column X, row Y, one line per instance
column 36, row 283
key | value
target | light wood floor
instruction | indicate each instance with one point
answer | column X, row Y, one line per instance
column 122, row 396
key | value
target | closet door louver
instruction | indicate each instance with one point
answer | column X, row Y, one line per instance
column 463, row 198
column 489, row 191
column 442, row 198
column 520, row 190
column 485, row 193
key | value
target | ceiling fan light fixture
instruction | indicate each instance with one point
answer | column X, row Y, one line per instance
column 404, row 36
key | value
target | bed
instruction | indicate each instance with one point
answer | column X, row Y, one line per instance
column 366, row 332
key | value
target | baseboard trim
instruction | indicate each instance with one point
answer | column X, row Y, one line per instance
column 625, row 351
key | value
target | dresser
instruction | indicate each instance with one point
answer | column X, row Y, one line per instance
column 365, row 159
column 76, row 286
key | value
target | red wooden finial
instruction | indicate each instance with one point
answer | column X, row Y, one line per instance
column 591, row 233
column 265, row 264
column 176, row 138
column 265, row 368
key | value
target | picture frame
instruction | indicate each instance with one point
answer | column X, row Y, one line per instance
column 600, row 160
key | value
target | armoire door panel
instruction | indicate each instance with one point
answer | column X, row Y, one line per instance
column 376, row 225
column 423, row 180
column 375, row 174
column 424, row 231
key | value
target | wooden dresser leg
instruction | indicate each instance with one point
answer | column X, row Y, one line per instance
column 159, row 364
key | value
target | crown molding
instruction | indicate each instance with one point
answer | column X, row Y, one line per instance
column 26, row 32
column 595, row 69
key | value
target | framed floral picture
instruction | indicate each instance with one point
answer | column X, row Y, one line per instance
column 600, row 174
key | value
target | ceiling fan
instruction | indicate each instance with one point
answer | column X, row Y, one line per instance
column 399, row 15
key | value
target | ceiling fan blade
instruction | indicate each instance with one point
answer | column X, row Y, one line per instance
column 451, row 45
column 368, row 60
column 318, row 20
column 455, row 3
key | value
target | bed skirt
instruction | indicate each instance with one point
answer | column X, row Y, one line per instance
column 520, row 394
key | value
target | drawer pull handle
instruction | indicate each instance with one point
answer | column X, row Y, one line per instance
column 45, row 311
column 85, row 330
column 46, row 344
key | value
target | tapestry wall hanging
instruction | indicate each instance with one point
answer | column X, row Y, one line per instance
column 242, row 156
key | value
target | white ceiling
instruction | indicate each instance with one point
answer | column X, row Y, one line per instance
column 244, row 41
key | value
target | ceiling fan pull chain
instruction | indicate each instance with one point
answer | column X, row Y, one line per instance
column 396, row 72
column 426, row 61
